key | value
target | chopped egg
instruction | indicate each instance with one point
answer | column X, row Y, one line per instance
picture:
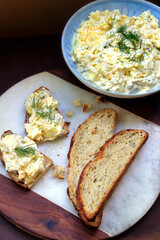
column 20, row 155
column 77, row 103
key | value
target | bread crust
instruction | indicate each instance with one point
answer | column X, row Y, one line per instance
column 27, row 116
column 98, row 217
column 14, row 176
column 87, row 214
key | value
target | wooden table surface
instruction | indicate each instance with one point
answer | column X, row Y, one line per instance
column 21, row 58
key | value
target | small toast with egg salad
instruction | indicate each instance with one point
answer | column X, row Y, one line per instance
column 43, row 120
column 24, row 163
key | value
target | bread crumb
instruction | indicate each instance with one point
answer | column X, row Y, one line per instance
column 77, row 103
column 59, row 172
column 100, row 99
column 86, row 107
column 69, row 113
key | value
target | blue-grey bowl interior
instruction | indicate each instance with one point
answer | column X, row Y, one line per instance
column 129, row 8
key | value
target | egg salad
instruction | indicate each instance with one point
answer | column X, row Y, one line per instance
column 118, row 53
column 45, row 121
column 21, row 156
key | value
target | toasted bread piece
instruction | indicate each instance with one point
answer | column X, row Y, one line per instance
column 59, row 171
column 85, row 146
column 65, row 129
column 14, row 175
column 100, row 177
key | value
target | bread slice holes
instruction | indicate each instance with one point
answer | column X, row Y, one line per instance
column 102, row 116
column 109, row 115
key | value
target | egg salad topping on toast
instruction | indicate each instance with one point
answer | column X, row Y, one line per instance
column 118, row 53
column 21, row 156
column 45, row 121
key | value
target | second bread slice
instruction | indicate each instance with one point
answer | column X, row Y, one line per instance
column 100, row 177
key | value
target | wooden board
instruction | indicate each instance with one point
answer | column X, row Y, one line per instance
column 134, row 195
column 36, row 215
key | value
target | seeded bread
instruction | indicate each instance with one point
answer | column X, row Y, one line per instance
column 27, row 116
column 85, row 146
column 100, row 177
column 14, row 175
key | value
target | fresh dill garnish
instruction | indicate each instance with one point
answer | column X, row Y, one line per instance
column 122, row 30
column 123, row 47
column 46, row 113
column 42, row 110
column 56, row 123
column 112, row 22
column 138, row 59
column 35, row 103
column 25, row 151
column 133, row 38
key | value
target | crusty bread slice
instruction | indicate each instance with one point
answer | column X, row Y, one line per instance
column 27, row 116
column 14, row 175
column 85, row 146
column 94, row 223
column 100, row 177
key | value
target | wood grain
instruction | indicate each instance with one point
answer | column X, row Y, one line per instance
column 41, row 217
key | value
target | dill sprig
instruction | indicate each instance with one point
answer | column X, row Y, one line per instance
column 133, row 38
column 123, row 47
column 25, row 151
column 35, row 102
column 46, row 113
column 138, row 59
column 112, row 22
column 122, row 29
column 42, row 110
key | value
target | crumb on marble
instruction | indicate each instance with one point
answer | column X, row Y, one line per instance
column 100, row 99
column 77, row 103
column 69, row 114
column 87, row 107
column 59, row 171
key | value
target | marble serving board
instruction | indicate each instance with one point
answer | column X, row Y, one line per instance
column 137, row 190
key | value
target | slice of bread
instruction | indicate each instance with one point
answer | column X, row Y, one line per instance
column 85, row 146
column 65, row 129
column 92, row 223
column 14, row 175
column 100, row 177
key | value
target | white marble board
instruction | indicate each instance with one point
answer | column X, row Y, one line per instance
column 137, row 190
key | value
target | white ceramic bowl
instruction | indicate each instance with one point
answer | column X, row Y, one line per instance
column 130, row 8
